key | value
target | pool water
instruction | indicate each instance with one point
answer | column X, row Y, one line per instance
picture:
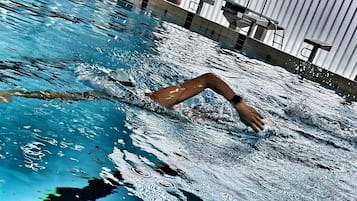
column 123, row 149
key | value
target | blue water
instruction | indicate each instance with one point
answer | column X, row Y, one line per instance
column 199, row 150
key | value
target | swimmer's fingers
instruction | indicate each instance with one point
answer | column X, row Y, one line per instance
column 259, row 115
column 257, row 120
column 255, row 128
column 250, row 117
column 256, row 124
column 259, row 123
column 254, row 111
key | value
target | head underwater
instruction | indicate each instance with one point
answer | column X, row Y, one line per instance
column 122, row 76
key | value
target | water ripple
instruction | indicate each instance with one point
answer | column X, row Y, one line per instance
column 33, row 155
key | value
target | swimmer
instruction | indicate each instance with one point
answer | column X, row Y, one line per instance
column 167, row 97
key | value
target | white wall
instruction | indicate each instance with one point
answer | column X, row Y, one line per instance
column 330, row 21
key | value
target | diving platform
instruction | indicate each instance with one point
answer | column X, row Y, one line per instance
column 316, row 46
column 240, row 16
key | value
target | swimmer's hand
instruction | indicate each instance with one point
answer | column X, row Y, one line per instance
column 5, row 96
column 249, row 116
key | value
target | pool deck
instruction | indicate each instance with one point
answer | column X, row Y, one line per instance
column 253, row 48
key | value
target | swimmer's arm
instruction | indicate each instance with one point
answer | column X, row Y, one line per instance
column 173, row 95
column 5, row 96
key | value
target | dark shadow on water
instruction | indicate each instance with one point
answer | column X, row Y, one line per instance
column 99, row 188
column 189, row 196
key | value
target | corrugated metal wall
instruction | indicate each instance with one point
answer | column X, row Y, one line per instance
column 330, row 21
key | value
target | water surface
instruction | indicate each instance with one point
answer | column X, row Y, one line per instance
column 200, row 150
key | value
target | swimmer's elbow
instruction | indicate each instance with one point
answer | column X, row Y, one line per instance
column 211, row 80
